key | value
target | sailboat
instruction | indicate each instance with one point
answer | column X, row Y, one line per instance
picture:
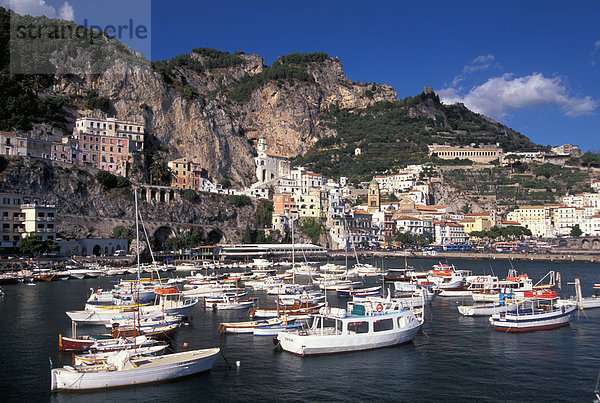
column 123, row 369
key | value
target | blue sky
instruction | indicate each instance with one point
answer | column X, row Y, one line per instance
column 532, row 65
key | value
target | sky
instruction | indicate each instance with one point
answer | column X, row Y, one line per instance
column 531, row 65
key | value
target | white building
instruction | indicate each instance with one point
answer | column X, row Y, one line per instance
column 397, row 183
column 447, row 233
column 415, row 225
column 590, row 226
column 566, row 218
column 270, row 166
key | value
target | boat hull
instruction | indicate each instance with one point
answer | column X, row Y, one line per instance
column 326, row 342
column 515, row 323
column 145, row 371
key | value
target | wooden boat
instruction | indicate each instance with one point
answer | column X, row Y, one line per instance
column 360, row 292
column 157, row 332
column 334, row 330
column 541, row 312
column 122, row 370
column 248, row 327
column 290, row 310
column 98, row 357
column 226, row 302
column 276, row 329
column 100, row 343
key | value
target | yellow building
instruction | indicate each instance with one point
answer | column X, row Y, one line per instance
column 308, row 205
column 477, row 222
column 185, row 174
column 535, row 218
column 24, row 215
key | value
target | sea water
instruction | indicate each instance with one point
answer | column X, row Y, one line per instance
column 453, row 358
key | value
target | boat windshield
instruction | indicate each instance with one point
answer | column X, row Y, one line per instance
column 327, row 325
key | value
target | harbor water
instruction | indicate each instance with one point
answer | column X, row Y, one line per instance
column 453, row 358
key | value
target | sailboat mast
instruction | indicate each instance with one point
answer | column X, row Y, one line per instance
column 293, row 254
column 137, row 247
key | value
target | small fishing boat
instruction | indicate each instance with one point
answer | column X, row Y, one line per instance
column 334, row 330
column 311, row 297
column 157, row 332
column 247, row 327
column 541, row 312
column 291, row 310
column 97, row 357
column 276, row 329
column 123, row 370
column 489, row 309
column 226, row 302
column 360, row 292
column 101, row 343
column 594, row 300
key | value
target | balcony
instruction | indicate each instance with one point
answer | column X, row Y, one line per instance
column 18, row 218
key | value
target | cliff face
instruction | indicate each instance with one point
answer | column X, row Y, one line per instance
column 209, row 126
column 85, row 209
column 288, row 115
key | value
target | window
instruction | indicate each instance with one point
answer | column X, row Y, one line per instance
column 358, row 327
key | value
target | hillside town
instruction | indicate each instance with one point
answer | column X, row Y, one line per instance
column 353, row 215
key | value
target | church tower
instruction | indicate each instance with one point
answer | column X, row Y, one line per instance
column 262, row 144
column 373, row 198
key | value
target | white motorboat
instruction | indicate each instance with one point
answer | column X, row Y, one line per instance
column 594, row 300
column 338, row 284
column 311, row 297
column 169, row 302
column 486, row 309
column 334, row 330
column 122, row 370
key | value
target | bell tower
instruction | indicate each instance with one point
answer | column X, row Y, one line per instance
column 373, row 197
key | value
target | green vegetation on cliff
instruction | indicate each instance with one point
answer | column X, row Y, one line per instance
column 392, row 134
column 242, row 90
column 522, row 184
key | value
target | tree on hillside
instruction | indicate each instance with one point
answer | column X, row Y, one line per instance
column 160, row 173
column 33, row 245
column 590, row 159
column 576, row 231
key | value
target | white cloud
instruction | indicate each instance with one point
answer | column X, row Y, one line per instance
column 480, row 63
column 596, row 47
column 66, row 12
column 38, row 8
column 500, row 95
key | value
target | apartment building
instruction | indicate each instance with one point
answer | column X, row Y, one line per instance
column 23, row 215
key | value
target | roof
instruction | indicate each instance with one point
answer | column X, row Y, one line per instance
column 275, row 155
column 407, row 217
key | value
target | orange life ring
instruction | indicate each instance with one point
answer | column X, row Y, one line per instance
column 379, row 307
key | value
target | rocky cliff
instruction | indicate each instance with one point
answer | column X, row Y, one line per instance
column 86, row 209
column 209, row 106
